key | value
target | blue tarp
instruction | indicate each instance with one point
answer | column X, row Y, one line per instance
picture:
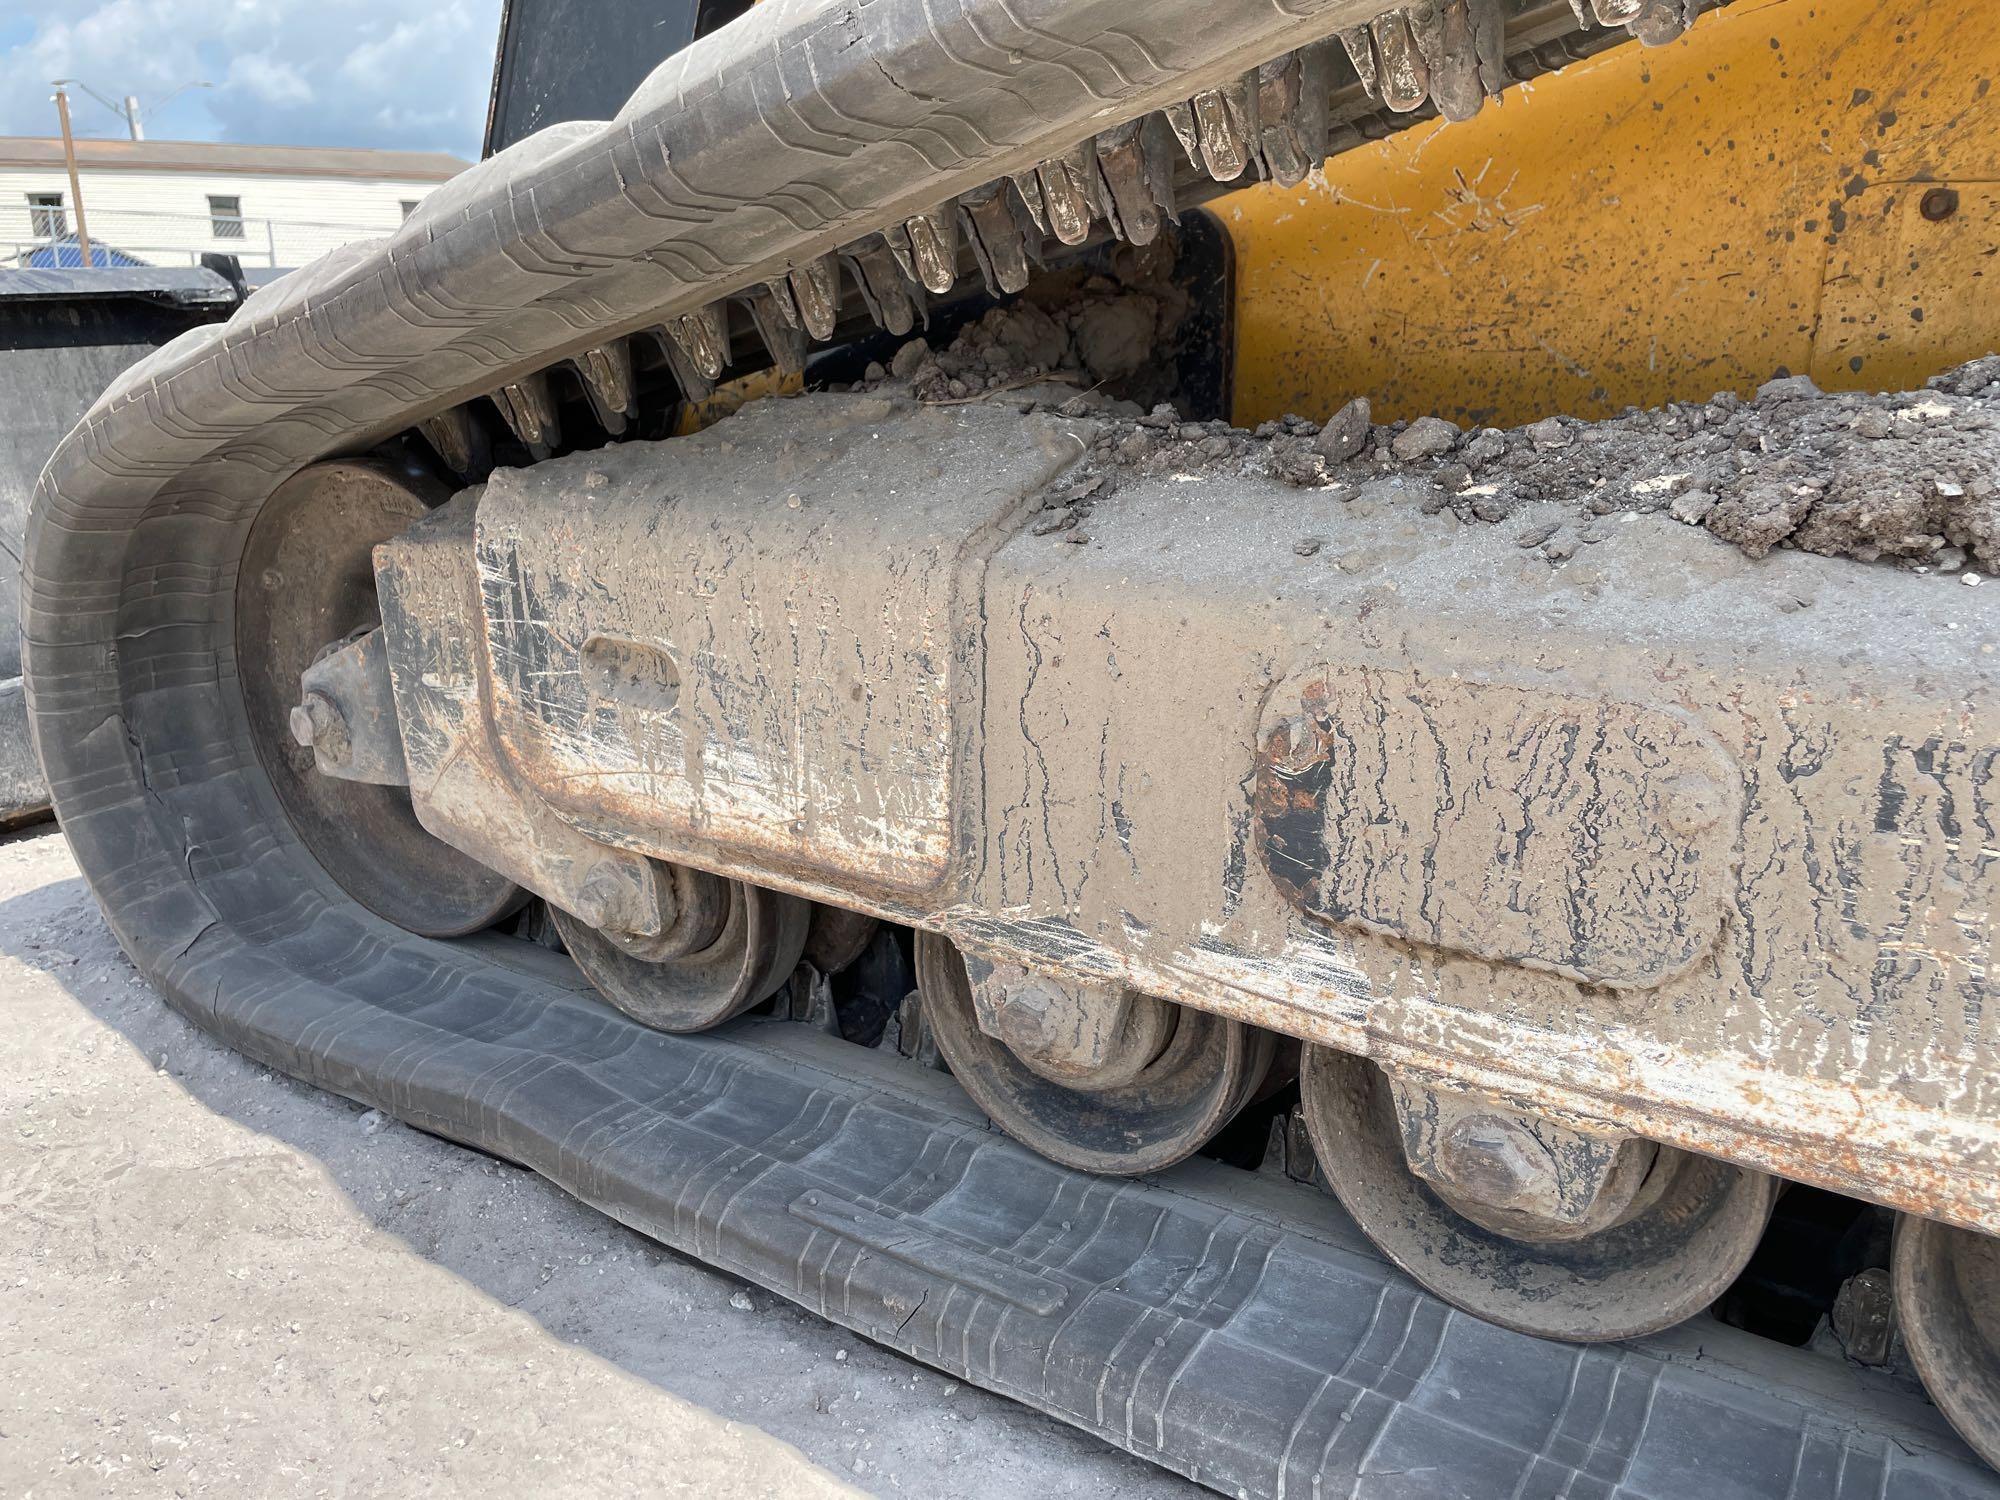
column 68, row 255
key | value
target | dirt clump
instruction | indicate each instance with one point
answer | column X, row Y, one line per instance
column 1107, row 334
column 1912, row 477
column 1345, row 433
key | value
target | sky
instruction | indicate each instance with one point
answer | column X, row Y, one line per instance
column 403, row 74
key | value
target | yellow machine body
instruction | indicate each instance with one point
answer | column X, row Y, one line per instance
column 1799, row 186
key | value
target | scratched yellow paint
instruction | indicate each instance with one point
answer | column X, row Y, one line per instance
column 1648, row 225
column 733, row 395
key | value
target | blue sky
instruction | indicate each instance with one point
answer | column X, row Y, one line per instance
column 389, row 73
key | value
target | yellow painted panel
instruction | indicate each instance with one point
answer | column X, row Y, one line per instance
column 1651, row 224
column 733, row 395
column 1908, row 290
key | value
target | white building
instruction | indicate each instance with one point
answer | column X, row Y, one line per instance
column 165, row 202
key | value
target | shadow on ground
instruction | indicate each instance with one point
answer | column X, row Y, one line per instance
column 867, row 1414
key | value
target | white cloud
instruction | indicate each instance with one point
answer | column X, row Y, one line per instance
column 269, row 80
column 286, row 72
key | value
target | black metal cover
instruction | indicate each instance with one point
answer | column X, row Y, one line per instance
column 564, row 60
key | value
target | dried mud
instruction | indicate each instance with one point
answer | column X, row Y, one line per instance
column 1911, row 477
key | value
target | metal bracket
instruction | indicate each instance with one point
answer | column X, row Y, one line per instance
column 1515, row 1172
column 346, row 714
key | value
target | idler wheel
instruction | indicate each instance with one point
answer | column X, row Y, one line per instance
column 1516, row 1223
column 1150, row 1090
column 1947, row 1290
column 307, row 581
column 726, row 947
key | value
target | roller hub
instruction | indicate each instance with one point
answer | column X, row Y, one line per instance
column 725, row 947
column 1106, row 1081
column 1535, row 1226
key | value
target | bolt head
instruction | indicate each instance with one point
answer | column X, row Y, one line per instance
column 1492, row 1159
column 1939, row 204
column 319, row 723
column 604, row 897
column 1692, row 805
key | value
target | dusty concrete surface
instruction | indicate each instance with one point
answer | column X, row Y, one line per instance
column 220, row 1282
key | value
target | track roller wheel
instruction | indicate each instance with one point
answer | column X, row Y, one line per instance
column 838, row 938
column 1151, row 1089
column 1524, row 1223
column 1947, row 1288
column 306, row 583
column 727, row 946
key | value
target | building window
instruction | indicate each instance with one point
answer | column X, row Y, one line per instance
column 225, row 217
column 409, row 207
column 46, row 219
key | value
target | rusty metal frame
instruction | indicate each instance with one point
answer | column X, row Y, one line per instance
column 1642, row 846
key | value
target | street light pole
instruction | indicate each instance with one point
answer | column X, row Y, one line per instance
column 75, row 182
column 131, row 111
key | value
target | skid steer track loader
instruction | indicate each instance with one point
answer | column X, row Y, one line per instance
column 840, row 663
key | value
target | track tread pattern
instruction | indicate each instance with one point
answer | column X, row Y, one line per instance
column 1244, row 1349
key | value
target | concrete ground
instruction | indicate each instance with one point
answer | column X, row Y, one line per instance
column 216, row 1281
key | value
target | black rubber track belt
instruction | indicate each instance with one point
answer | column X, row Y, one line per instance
column 1231, row 1345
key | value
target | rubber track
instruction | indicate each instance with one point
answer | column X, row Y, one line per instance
column 1224, row 1344
column 1227, row 1326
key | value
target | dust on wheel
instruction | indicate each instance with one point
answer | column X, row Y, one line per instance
column 307, row 582
column 1947, row 1288
column 730, row 946
column 1206, row 1070
column 1692, row 1227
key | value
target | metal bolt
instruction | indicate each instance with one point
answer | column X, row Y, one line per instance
column 1939, row 204
column 1301, row 1164
column 1864, row 1317
column 318, row 724
column 1026, row 1010
column 1690, row 804
column 602, row 895
column 1492, row 1159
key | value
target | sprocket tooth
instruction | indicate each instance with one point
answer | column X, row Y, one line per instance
column 460, row 441
column 607, row 380
column 1130, row 181
column 1359, row 45
column 1291, row 105
column 1180, row 119
column 1157, row 142
column 816, row 288
column 778, row 328
column 1406, row 81
column 779, row 289
column 1029, row 187
column 695, row 386
column 893, row 298
column 1226, row 122
column 1489, row 44
column 932, row 238
column 897, row 238
column 1444, row 35
column 1069, row 192
column 530, row 409
column 1662, row 21
column 993, row 228
column 703, row 339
